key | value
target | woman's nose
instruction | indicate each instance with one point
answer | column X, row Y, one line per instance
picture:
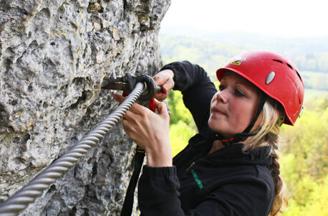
column 222, row 96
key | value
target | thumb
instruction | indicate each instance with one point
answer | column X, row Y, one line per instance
column 162, row 109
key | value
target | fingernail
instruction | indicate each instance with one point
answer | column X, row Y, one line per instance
column 114, row 96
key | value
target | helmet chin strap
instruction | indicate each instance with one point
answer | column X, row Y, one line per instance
column 246, row 133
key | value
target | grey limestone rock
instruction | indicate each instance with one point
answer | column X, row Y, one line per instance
column 54, row 56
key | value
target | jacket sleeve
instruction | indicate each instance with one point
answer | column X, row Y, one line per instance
column 158, row 195
column 196, row 88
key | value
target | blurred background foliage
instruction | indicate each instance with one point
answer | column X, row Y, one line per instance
column 304, row 147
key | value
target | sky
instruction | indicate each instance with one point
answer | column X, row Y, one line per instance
column 282, row 18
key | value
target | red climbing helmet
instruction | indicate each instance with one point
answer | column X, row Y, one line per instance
column 275, row 76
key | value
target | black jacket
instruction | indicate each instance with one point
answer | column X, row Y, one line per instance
column 226, row 182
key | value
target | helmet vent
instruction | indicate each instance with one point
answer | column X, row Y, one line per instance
column 270, row 77
column 290, row 66
column 277, row 60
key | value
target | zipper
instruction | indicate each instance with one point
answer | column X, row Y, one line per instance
column 190, row 166
column 197, row 180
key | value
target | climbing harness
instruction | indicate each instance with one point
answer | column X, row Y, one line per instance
column 142, row 87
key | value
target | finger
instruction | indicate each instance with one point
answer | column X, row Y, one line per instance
column 118, row 98
column 139, row 109
column 159, row 79
column 129, row 129
column 162, row 109
column 165, row 88
column 132, row 132
column 160, row 96
column 162, row 77
column 169, row 84
column 131, row 116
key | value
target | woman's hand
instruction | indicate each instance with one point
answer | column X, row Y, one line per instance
column 164, row 79
column 150, row 130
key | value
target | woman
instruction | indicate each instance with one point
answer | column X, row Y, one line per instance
column 230, row 167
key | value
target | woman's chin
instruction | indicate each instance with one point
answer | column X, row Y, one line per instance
column 218, row 128
column 215, row 126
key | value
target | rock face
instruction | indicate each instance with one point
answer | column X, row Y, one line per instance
column 54, row 56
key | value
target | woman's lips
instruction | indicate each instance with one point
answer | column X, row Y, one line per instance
column 215, row 110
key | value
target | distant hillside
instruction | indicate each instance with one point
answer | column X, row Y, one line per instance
column 212, row 51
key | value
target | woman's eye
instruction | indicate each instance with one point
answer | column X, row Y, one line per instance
column 239, row 93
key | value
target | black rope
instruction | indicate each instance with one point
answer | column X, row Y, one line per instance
column 129, row 196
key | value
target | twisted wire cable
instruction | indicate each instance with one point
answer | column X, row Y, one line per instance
column 26, row 195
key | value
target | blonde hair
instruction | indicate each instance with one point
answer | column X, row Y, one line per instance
column 267, row 134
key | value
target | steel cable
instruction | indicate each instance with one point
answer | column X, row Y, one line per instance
column 27, row 194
